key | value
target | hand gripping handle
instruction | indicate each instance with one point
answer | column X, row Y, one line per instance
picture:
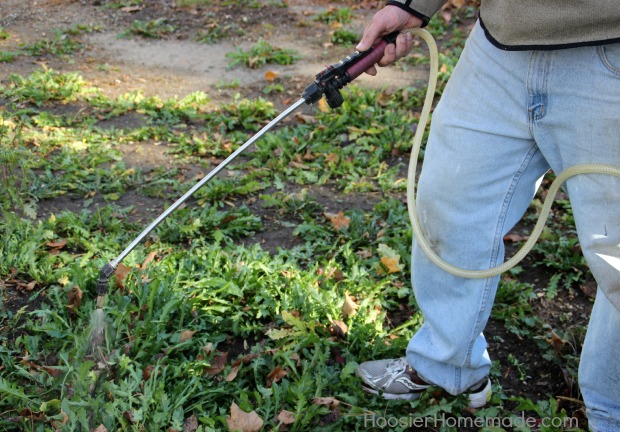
column 370, row 57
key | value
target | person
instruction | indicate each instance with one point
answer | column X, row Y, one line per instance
column 537, row 87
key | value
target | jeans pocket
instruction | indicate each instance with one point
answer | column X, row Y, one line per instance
column 610, row 56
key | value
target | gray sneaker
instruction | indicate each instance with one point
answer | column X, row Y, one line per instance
column 396, row 379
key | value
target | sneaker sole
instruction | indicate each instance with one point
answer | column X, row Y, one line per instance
column 476, row 400
column 392, row 396
column 480, row 399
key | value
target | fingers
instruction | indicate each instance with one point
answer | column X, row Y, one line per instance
column 392, row 52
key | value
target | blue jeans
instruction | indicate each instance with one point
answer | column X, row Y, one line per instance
column 504, row 120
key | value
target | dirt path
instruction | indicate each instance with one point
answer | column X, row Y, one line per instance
column 177, row 65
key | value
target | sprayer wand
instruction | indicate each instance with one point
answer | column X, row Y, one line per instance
column 328, row 82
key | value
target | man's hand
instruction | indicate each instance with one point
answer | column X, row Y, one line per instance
column 388, row 20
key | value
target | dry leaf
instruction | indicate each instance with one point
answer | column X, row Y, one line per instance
column 56, row 244
column 286, row 417
column 329, row 401
column 515, row 238
column 150, row 257
column 275, row 375
column 339, row 328
column 241, row 421
column 556, row 341
column 322, row 105
column 120, row 274
column 101, row 428
column 271, row 75
column 233, row 373
column 218, row 363
column 187, row 335
column 339, row 220
column 74, row 296
column 190, row 424
column 332, row 158
column 390, row 265
column 589, row 289
column 349, row 308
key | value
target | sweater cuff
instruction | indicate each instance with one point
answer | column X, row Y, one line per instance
column 423, row 9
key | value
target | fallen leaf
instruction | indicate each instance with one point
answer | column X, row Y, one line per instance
column 74, row 297
column 190, row 424
column 56, row 244
column 286, row 417
column 329, row 401
column 101, row 428
column 349, row 307
column 339, row 328
column 589, row 289
column 339, row 220
column 233, row 373
column 120, row 274
column 514, row 238
column 130, row 9
column 322, row 105
column 187, row 335
column 150, row 257
column 271, row 75
column 32, row 415
column 390, row 259
column 556, row 341
column 364, row 253
column 242, row 421
column 332, row 158
column 218, row 363
column 390, row 265
column 276, row 375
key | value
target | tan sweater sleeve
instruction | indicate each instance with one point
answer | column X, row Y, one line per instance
column 423, row 9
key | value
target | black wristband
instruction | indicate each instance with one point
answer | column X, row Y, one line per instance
column 406, row 7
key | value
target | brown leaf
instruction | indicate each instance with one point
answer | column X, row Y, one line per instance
column 271, row 75
column 130, row 9
column 147, row 372
column 305, row 118
column 332, row 158
column 150, row 257
column 241, row 421
column 187, row 335
column 218, row 363
column 339, row 220
column 364, row 253
column 286, row 417
column 556, row 341
column 59, row 244
column 329, row 401
column 32, row 415
column 390, row 265
column 120, row 274
column 322, row 105
column 339, row 328
column 74, row 297
column 515, row 238
column 129, row 416
column 275, row 375
column 190, row 424
column 101, row 428
column 349, row 307
column 589, row 289
column 233, row 373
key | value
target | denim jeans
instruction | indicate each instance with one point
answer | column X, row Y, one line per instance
column 504, row 120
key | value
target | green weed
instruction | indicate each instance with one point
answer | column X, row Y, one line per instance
column 155, row 29
column 262, row 53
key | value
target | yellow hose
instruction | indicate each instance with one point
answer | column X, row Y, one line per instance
column 544, row 212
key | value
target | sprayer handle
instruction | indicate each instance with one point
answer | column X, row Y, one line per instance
column 370, row 57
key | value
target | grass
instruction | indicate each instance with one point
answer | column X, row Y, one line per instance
column 262, row 53
column 205, row 316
